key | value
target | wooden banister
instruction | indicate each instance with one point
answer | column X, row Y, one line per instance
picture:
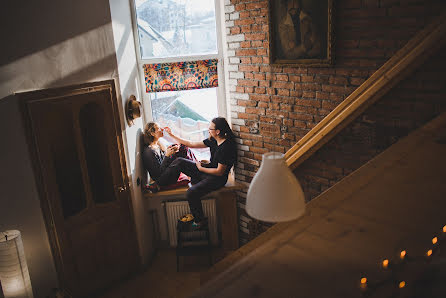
column 413, row 54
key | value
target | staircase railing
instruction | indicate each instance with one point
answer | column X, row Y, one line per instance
column 414, row 53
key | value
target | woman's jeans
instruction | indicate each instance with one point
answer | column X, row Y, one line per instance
column 202, row 183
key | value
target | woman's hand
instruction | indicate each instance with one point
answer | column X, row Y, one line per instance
column 172, row 149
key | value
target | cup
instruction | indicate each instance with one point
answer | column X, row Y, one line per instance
column 204, row 163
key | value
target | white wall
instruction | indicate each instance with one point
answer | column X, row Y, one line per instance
column 49, row 44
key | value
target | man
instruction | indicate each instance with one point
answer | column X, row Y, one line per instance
column 297, row 33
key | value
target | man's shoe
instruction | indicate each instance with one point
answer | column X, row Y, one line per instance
column 200, row 225
column 187, row 218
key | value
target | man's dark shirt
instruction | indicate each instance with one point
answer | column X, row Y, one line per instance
column 225, row 154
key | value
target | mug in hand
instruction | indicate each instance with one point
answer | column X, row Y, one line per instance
column 204, row 163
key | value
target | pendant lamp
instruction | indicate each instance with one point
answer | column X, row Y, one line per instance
column 274, row 194
column 14, row 275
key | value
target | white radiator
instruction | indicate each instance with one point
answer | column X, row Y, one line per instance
column 174, row 210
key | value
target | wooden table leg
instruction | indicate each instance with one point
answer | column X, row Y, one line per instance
column 227, row 210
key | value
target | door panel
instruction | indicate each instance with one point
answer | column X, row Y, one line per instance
column 79, row 150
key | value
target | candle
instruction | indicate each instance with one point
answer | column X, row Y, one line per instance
column 402, row 254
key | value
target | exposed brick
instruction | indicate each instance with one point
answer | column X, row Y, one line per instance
column 264, row 83
column 302, row 117
column 247, row 103
column 259, row 97
column 252, row 68
column 295, row 78
column 243, row 22
column 338, row 80
column 257, row 60
column 306, row 79
column 235, row 30
column 309, row 94
column 256, row 5
column 255, row 36
column 259, row 76
column 241, row 8
column 245, row 44
column 259, row 90
column 356, row 81
column 258, row 111
column 247, row 83
column 249, row 89
column 246, row 52
column 283, row 92
column 322, row 95
column 285, row 85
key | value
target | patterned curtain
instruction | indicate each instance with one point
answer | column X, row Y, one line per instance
column 181, row 75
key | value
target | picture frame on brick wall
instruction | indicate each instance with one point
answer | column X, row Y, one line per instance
column 301, row 32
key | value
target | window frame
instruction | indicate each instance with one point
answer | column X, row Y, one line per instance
column 221, row 92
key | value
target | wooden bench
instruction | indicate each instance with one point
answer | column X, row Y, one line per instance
column 226, row 209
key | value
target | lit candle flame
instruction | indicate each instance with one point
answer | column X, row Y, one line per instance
column 363, row 281
column 385, row 264
column 402, row 284
column 429, row 253
column 434, row 240
column 402, row 254
column 444, row 229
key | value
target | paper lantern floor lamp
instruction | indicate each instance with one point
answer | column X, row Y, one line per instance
column 14, row 275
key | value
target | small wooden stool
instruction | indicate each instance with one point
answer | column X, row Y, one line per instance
column 192, row 243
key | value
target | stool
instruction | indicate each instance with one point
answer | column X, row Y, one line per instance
column 192, row 243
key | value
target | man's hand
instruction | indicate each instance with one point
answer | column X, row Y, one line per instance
column 198, row 165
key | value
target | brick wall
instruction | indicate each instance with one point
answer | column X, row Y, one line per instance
column 272, row 107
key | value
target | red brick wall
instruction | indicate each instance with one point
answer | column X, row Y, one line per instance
column 272, row 107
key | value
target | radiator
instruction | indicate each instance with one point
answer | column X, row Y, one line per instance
column 174, row 210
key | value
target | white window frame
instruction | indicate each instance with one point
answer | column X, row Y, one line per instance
column 221, row 93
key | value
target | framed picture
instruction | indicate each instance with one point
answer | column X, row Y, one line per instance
column 301, row 32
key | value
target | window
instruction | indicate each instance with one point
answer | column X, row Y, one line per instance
column 172, row 31
column 176, row 28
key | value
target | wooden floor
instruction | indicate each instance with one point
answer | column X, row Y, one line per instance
column 161, row 279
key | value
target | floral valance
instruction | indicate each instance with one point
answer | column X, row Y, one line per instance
column 181, row 75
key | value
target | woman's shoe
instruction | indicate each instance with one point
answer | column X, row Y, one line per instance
column 153, row 188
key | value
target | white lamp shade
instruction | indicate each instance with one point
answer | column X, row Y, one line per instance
column 274, row 194
column 14, row 274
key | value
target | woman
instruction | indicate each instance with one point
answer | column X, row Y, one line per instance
column 155, row 158
column 212, row 177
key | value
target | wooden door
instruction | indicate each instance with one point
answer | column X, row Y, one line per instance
column 76, row 140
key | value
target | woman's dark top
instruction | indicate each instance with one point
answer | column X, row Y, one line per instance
column 155, row 163
column 225, row 154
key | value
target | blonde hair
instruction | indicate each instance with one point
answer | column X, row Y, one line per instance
column 149, row 130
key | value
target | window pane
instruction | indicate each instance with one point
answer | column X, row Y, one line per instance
column 187, row 113
column 172, row 28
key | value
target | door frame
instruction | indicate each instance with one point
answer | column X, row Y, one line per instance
column 27, row 97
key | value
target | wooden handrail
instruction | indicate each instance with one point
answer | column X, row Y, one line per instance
column 413, row 54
